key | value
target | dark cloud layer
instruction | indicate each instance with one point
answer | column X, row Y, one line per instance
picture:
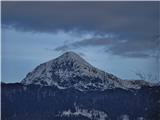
column 136, row 22
column 96, row 16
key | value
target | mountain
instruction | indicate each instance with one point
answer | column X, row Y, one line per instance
column 69, row 88
column 70, row 70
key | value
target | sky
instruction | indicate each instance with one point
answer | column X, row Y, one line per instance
column 121, row 38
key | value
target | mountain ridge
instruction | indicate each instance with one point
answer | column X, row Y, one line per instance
column 71, row 70
column 60, row 90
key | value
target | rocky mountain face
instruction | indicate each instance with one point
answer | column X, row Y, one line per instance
column 69, row 88
column 70, row 70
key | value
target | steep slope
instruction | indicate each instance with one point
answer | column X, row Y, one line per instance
column 70, row 70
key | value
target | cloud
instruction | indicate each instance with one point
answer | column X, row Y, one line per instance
column 62, row 48
column 106, row 16
column 139, row 48
column 136, row 55
column 93, row 42
column 135, row 23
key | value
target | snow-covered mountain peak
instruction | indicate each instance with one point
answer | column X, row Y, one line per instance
column 70, row 54
column 67, row 67
column 71, row 70
column 72, row 57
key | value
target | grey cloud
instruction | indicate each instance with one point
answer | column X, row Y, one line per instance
column 87, row 42
column 62, row 48
column 139, row 48
column 135, row 22
column 134, row 46
column 106, row 16
column 136, row 55
column 94, row 42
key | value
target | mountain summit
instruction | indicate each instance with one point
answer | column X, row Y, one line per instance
column 72, row 71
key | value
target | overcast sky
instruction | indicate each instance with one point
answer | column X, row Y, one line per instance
column 118, row 37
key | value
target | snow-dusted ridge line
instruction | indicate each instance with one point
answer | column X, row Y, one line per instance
column 71, row 70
